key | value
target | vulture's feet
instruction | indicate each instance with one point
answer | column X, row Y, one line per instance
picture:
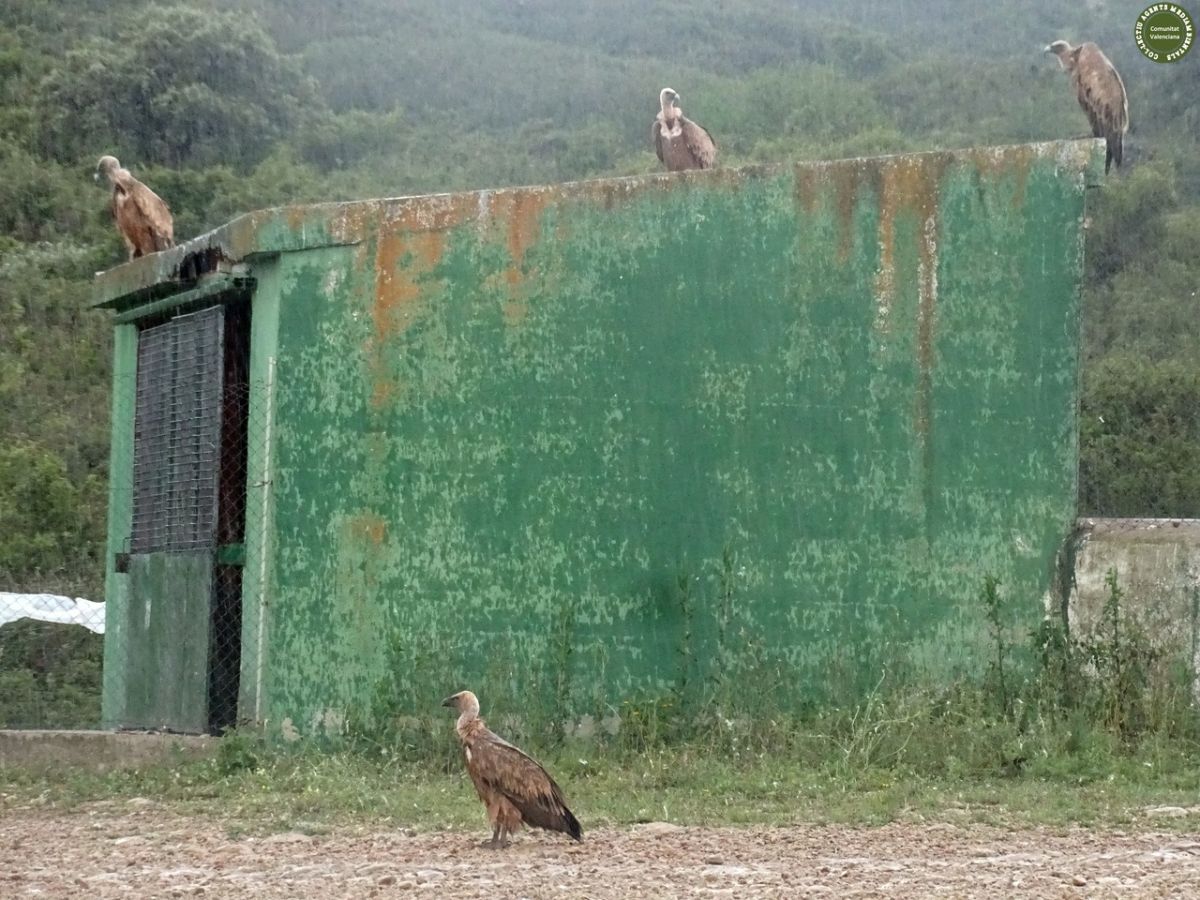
column 495, row 844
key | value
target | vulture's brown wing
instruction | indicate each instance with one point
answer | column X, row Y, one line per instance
column 1102, row 96
column 130, row 224
column 656, row 136
column 699, row 143
column 505, row 769
column 154, row 213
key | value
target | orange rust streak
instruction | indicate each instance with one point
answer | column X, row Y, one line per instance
column 885, row 277
column 522, row 211
column 806, row 188
column 1023, row 163
column 433, row 213
column 368, row 527
column 295, row 216
column 916, row 190
column 997, row 164
column 910, row 188
column 400, row 262
column 403, row 259
column 847, row 179
column 384, row 388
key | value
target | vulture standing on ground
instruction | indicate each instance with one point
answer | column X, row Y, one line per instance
column 679, row 142
column 1100, row 91
column 141, row 215
column 515, row 789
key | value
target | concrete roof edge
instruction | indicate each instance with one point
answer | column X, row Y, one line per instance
column 309, row 226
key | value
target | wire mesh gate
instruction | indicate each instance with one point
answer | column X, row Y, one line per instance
column 181, row 655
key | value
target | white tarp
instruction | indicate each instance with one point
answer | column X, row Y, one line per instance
column 51, row 608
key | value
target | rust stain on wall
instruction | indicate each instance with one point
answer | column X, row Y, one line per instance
column 295, row 217
column 927, row 248
column 401, row 260
column 806, row 188
column 368, row 529
column 847, row 181
column 440, row 212
column 916, row 189
column 998, row 163
column 385, row 387
column 611, row 193
column 350, row 224
column 521, row 211
column 885, row 274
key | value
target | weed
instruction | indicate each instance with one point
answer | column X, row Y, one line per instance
column 563, row 649
column 990, row 597
column 687, row 616
column 239, row 751
column 722, row 671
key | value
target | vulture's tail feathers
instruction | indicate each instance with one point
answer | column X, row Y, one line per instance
column 573, row 827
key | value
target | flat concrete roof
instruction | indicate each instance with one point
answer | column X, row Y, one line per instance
column 302, row 227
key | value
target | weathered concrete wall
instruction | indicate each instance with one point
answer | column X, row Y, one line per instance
column 97, row 751
column 1157, row 566
column 510, row 426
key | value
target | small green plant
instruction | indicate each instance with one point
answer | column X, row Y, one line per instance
column 563, row 649
column 1059, row 684
column 650, row 723
column 876, row 732
column 239, row 752
column 687, row 616
column 723, row 671
column 1123, row 657
column 990, row 597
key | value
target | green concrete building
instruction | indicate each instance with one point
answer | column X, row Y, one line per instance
column 593, row 444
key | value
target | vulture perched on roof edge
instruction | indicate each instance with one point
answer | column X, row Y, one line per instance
column 1101, row 93
column 141, row 215
column 679, row 142
column 514, row 788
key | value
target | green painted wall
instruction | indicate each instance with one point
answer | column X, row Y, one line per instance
column 116, row 676
column 259, row 563
column 508, row 426
column 762, row 431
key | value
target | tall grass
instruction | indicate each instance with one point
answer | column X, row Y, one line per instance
column 1048, row 701
column 1056, row 729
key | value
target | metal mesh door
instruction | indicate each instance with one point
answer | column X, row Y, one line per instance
column 177, row 433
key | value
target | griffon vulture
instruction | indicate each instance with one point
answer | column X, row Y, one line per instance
column 514, row 788
column 679, row 142
column 1100, row 91
column 141, row 215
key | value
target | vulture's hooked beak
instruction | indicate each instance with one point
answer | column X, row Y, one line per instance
column 449, row 701
column 96, row 176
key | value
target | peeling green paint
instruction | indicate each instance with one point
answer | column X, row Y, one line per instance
column 120, row 519
column 500, row 412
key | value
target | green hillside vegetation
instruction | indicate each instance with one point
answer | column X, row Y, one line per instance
column 229, row 105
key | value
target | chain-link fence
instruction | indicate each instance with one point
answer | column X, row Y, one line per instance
column 51, row 657
column 174, row 648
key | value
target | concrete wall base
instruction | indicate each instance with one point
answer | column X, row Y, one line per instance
column 98, row 751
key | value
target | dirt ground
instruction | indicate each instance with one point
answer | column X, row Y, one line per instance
column 137, row 849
